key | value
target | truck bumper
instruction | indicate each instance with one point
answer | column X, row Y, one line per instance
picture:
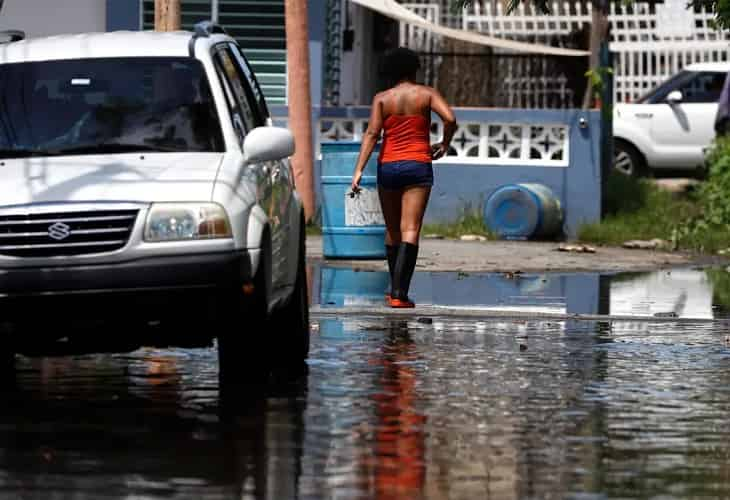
column 148, row 289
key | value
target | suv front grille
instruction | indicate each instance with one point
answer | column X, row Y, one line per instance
column 70, row 233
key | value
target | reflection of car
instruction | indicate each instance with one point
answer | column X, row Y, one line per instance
column 143, row 183
column 670, row 126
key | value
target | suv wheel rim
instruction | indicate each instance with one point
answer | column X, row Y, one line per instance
column 623, row 163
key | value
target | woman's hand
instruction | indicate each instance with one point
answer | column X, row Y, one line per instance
column 438, row 150
column 356, row 178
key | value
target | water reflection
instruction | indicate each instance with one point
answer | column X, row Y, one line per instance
column 682, row 293
column 389, row 409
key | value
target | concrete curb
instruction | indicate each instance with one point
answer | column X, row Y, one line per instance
column 474, row 314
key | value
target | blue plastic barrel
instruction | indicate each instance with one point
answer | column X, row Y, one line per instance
column 523, row 211
column 352, row 226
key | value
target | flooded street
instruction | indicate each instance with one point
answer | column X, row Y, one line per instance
column 404, row 408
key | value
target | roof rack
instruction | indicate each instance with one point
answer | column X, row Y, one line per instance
column 204, row 29
column 10, row 36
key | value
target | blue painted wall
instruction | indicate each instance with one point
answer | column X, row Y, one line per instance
column 122, row 15
column 317, row 18
column 458, row 186
column 578, row 186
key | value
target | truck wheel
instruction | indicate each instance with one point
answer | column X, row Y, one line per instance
column 243, row 349
column 627, row 160
column 291, row 323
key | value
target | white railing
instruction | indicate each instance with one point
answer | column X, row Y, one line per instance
column 446, row 16
column 477, row 143
column 525, row 21
column 425, row 40
column 650, row 42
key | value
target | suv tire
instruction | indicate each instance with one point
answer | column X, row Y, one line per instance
column 244, row 354
column 291, row 323
column 627, row 160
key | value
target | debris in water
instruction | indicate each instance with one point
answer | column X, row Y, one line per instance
column 523, row 347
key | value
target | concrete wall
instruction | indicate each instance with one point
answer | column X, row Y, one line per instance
column 468, row 184
column 578, row 186
column 53, row 17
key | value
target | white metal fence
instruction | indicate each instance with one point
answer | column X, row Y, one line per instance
column 650, row 42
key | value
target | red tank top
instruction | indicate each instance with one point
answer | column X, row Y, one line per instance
column 406, row 137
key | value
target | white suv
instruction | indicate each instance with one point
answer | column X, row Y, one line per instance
column 671, row 126
column 146, row 197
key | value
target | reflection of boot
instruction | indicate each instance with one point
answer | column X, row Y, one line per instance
column 404, row 266
column 392, row 252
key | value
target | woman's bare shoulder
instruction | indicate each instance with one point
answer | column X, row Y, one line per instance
column 431, row 91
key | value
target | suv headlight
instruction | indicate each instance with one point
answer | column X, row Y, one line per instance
column 186, row 221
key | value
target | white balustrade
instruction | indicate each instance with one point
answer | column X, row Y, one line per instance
column 478, row 143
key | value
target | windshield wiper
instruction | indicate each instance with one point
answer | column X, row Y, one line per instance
column 114, row 147
column 24, row 153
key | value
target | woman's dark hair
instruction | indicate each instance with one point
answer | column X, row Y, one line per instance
column 399, row 64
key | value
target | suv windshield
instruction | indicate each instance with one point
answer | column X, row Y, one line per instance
column 88, row 106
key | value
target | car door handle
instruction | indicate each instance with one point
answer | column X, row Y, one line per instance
column 644, row 115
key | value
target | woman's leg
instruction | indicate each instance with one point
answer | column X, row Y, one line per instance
column 413, row 206
column 390, row 203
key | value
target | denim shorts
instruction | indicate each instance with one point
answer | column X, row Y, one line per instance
column 396, row 175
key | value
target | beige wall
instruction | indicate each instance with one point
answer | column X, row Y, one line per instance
column 53, row 17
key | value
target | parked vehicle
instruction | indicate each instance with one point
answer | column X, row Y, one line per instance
column 146, row 195
column 672, row 125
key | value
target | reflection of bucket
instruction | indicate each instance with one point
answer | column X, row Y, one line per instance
column 347, row 287
column 352, row 226
column 522, row 211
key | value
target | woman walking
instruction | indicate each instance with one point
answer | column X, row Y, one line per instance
column 405, row 175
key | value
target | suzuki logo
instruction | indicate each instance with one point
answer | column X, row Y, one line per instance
column 59, row 231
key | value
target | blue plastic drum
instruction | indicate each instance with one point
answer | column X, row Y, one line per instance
column 352, row 226
column 523, row 211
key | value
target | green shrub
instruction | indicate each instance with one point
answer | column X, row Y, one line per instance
column 625, row 194
column 714, row 194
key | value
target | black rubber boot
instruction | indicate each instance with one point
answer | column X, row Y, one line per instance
column 403, row 272
column 392, row 252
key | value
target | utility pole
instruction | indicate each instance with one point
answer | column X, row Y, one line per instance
column 300, row 100
column 167, row 15
column 599, row 37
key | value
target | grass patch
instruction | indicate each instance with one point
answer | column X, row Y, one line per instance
column 313, row 229
column 639, row 210
column 470, row 221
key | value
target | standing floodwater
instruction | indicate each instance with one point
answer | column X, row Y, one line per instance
column 389, row 409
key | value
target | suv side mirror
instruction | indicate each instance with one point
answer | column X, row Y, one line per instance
column 675, row 97
column 268, row 144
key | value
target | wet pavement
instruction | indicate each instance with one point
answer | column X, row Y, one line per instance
column 395, row 408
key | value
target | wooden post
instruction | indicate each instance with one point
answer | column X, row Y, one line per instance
column 167, row 15
column 299, row 100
